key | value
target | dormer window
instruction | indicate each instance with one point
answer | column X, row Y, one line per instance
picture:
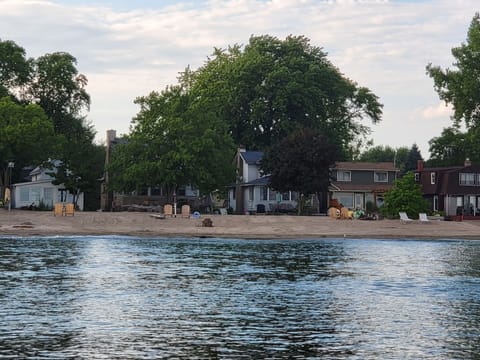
column 432, row 178
column 344, row 175
column 380, row 176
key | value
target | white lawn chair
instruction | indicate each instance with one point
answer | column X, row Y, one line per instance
column 423, row 218
column 404, row 219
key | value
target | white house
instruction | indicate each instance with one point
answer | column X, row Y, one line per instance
column 40, row 190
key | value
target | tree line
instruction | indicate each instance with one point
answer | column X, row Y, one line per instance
column 283, row 97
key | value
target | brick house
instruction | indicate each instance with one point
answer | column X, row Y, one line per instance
column 453, row 190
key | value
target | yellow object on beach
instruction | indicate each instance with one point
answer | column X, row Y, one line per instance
column 69, row 209
column 58, row 209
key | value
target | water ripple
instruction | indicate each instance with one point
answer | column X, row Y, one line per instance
column 126, row 297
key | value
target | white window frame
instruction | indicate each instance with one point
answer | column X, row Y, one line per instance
column 466, row 179
column 417, row 177
column 376, row 179
column 432, row 178
column 344, row 173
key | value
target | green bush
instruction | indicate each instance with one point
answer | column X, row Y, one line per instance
column 406, row 195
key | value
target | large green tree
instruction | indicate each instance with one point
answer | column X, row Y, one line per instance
column 386, row 153
column 172, row 144
column 59, row 89
column 460, row 87
column 449, row 148
column 301, row 162
column 15, row 68
column 26, row 136
column 272, row 87
column 53, row 82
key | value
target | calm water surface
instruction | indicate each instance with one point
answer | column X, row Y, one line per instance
column 125, row 297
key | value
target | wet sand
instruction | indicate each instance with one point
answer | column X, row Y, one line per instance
column 30, row 223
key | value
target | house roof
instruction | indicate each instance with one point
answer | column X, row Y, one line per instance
column 262, row 181
column 348, row 165
column 252, row 157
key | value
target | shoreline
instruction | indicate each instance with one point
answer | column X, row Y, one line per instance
column 26, row 223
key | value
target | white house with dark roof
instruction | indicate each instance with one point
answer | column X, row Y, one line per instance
column 40, row 190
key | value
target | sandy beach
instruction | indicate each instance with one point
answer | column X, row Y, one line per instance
column 30, row 223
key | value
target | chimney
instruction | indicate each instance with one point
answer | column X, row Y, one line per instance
column 467, row 163
column 111, row 135
column 419, row 165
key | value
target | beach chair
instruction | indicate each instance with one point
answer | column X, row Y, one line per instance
column 404, row 219
column 58, row 209
column 423, row 218
column 186, row 211
column 168, row 210
column 69, row 209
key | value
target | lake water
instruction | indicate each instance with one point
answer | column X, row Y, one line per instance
column 126, row 297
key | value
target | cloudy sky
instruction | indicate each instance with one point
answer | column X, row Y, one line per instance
column 128, row 48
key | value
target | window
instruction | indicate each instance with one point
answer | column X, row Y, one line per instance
column 432, row 178
column 24, row 194
column 346, row 199
column 467, row 179
column 250, row 193
column 264, row 193
column 234, row 192
column 343, row 175
column 286, row 196
column 417, row 177
column 271, row 194
column 48, row 196
column 35, row 195
column 435, row 202
column 380, row 176
column 294, row 196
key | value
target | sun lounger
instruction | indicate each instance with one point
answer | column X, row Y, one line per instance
column 423, row 218
column 404, row 219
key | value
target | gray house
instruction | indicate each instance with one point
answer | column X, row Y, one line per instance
column 356, row 183
column 251, row 193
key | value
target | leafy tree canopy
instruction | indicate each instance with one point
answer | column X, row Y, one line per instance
column 53, row 83
column 461, row 86
column 406, row 195
column 26, row 135
column 386, row 153
column 448, row 149
column 15, row 68
column 301, row 162
column 173, row 143
column 59, row 89
column 272, row 87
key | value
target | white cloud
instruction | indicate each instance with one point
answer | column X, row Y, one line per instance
column 384, row 45
column 439, row 111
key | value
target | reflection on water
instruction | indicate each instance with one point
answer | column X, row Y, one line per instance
column 120, row 297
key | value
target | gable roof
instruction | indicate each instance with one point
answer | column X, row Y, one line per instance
column 252, row 157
